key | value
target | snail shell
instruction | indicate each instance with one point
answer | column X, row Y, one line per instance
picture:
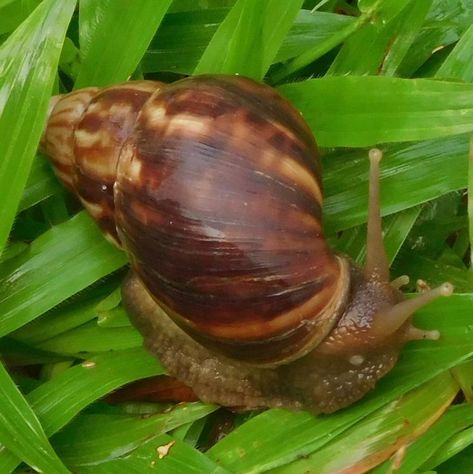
column 212, row 185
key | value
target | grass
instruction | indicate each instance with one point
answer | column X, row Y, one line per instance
column 392, row 73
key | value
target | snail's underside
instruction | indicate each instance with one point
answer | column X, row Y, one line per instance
column 317, row 382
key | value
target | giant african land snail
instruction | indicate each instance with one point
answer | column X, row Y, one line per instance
column 212, row 186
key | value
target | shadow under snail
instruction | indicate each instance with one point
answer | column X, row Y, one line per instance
column 212, row 185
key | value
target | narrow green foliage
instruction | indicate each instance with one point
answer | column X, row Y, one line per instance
column 37, row 282
column 408, row 25
column 57, row 401
column 114, row 35
column 123, row 434
column 41, row 184
column 458, row 64
column 179, row 457
column 232, row 50
column 183, row 37
column 416, row 456
column 383, row 431
column 21, row 432
column 24, row 96
column 341, row 114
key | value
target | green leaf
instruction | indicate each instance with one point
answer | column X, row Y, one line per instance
column 28, row 61
column 182, row 37
column 449, row 449
column 411, row 20
column 179, row 458
column 21, row 432
column 458, row 63
column 37, row 283
column 41, row 184
column 377, row 37
column 383, row 432
column 64, row 317
column 57, row 401
column 456, row 419
column 93, row 338
column 232, row 50
column 341, row 113
column 13, row 12
column 114, row 35
column 445, row 23
column 113, row 436
column 411, row 174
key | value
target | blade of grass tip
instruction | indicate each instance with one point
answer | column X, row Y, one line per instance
column 110, row 55
column 21, row 432
column 57, row 401
column 28, row 59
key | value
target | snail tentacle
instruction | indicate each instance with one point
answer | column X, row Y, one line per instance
column 387, row 321
column 377, row 264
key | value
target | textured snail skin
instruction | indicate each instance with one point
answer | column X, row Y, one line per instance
column 212, row 185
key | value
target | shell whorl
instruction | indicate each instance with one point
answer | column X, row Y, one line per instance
column 217, row 200
column 85, row 132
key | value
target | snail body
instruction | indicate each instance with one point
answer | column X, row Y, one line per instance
column 212, row 185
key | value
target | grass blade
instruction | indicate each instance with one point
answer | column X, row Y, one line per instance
column 340, row 114
column 41, row 184
column 112, row 41
column 112, row 436
column 457, row 418
column 232, row 50
column 179, row 458
column 37, row 284
column 382, row 433
column 28, row 61
column 21, row 432
column 411, row 174
column 458, row 63
column 183, row 36
column 57, row 401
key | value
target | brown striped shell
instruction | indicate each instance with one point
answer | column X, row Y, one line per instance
column 212, row 185
column 217, row 199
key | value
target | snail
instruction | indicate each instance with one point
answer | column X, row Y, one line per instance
column 212, row 185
